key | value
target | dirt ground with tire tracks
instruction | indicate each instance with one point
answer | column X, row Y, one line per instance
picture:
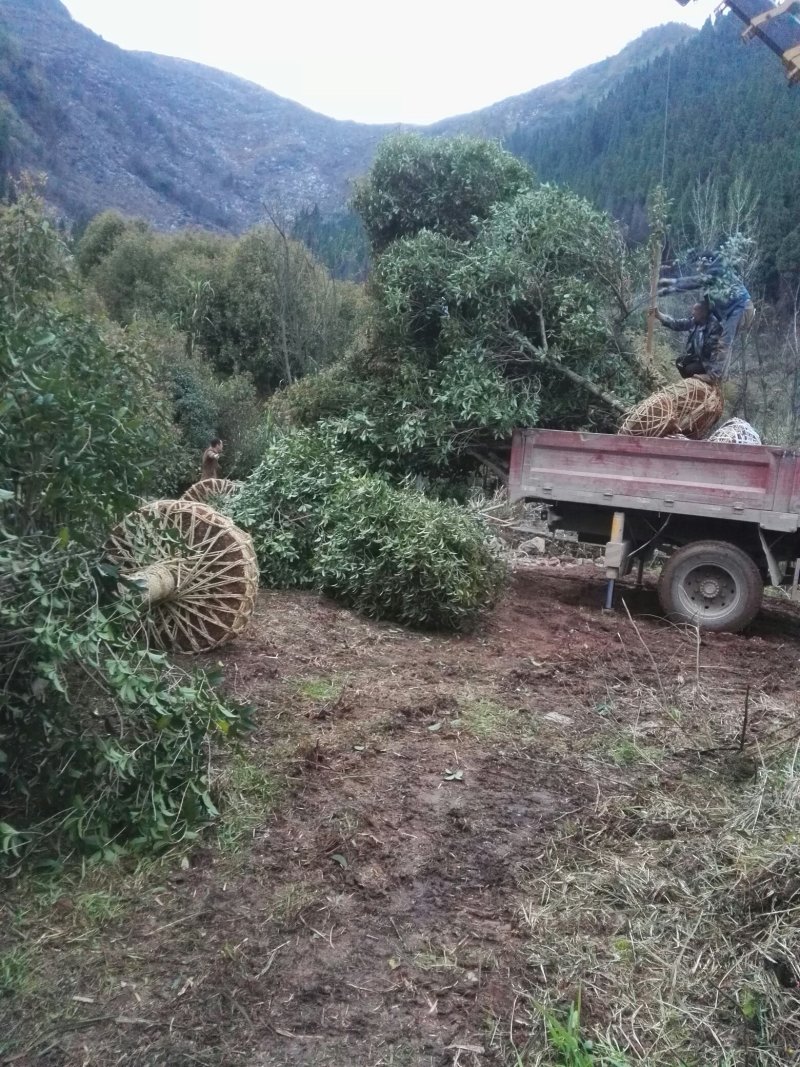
column 364, row 901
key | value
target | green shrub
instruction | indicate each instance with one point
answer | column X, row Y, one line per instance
column 201, row 406
column 283, row 502
column 319, row 521
column 103, row 745
column 393, row 553
column 259, row 303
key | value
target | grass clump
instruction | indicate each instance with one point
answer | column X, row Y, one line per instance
column 293, row 898
column 251, row 794
column 99, row 907
column 487, row 720
column 319, row 521
column 322, row 690
column 15, row 974
column 626, row 751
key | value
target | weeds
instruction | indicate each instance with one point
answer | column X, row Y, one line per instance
column 487, row 720
column 293, row 898
column 251, row 794
column 627, row 752
column 15, row 974
column 701, row 892
column 321, row 690
column 442, row 959
column 100, row 907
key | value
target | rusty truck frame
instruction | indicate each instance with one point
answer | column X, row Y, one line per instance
column 727, row 515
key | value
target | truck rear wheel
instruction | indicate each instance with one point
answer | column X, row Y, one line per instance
column 711, row 584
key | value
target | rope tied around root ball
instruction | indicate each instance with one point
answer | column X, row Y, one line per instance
column 197, row 570
column 689, row 407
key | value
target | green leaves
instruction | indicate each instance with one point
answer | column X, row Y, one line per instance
column 492, row 294
column 319, row 520
column 444, row 184
column 105, row 746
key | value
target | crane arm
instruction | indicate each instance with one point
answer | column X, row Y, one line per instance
column 775, row 24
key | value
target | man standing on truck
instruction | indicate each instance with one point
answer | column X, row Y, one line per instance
column 702, row 344
column 717, row 275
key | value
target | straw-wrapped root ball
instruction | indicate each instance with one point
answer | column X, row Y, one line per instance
column 212, row 490
column 196, row 569
column 735, row 432
column 689, row 407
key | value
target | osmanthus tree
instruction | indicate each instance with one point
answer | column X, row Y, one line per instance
column 498, row 302
column 103, row 745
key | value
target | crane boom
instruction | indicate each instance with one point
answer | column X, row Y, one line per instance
column 775, row 24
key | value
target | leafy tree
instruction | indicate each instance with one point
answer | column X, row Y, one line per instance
column 100, row 237
column 419, row 183
column 522, row 323
column 132, row 277
column 275, row 312
column 102, row 744
column 259, row 304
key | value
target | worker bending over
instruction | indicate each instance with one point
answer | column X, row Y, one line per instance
column 701, row 357
column 725, row 293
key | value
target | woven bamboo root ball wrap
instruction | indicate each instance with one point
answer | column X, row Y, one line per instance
column 689, row 407
column 735, row 432
column 197, row 571
column 210, row 489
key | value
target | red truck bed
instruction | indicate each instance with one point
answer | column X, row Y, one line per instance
column 748, row 483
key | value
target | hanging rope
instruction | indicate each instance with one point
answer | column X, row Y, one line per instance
column 658, row 223
column 666, row 118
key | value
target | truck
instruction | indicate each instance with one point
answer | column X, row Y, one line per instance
column 727, row 516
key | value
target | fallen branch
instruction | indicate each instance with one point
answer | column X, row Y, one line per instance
column 542, row 355
column 492, row 464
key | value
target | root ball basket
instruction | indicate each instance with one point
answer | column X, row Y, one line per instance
column 197, row 571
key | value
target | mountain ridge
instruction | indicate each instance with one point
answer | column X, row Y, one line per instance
column 179, row 143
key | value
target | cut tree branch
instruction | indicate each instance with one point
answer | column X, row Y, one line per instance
column 543, row 355
column 490, row 463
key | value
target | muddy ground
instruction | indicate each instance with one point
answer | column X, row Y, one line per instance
column 361, row 903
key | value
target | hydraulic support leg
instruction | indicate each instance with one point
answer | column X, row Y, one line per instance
column 617, row 550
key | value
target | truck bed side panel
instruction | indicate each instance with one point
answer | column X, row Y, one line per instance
column 687, row 477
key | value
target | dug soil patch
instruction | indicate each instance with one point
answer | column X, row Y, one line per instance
column 368, row 896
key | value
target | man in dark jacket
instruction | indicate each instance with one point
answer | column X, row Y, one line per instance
column 718, row 276
column 701, row 357
column 210, row 462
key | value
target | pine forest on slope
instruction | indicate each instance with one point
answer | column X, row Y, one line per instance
column 729, row 113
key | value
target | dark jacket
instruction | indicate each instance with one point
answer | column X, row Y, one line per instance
column 718, row 277
column 702, row 344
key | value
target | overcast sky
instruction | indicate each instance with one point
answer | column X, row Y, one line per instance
column 386, row 62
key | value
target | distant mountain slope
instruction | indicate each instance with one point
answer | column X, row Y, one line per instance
column 557, row 100
column 729, row 112
column 166, row 139
column 177, row 143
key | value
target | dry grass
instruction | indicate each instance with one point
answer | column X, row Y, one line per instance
column 675, row 909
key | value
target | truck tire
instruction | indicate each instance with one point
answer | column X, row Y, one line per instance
column 711, row 584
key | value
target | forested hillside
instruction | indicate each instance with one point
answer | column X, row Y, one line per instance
column 729, row 112
column 178, row 143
